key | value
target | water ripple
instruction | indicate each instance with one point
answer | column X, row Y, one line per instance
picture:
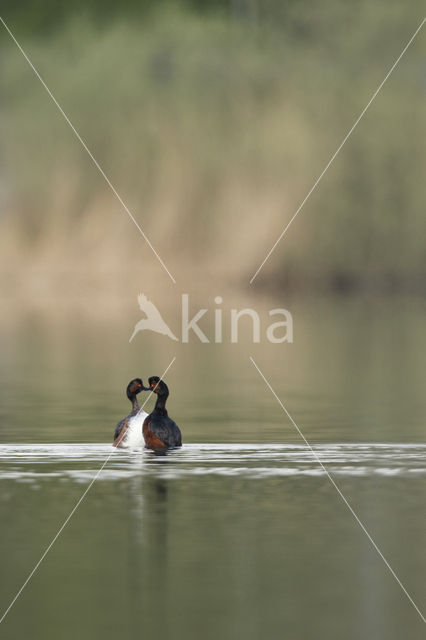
column 34, row 463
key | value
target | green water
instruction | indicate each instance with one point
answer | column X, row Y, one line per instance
column 241, row 533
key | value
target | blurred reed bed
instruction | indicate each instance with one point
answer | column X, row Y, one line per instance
column 213, row 129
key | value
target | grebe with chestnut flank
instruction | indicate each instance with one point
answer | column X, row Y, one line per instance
column 128, row 432
column 159, row 431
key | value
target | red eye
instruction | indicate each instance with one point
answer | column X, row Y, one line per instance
column 139, row 385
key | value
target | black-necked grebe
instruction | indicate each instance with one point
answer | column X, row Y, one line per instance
column 128, row 432
column 159, row 431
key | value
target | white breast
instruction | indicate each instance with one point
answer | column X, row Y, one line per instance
column 134, row 438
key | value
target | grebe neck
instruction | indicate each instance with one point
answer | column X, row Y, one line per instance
column 160, row 405
column 134, row 400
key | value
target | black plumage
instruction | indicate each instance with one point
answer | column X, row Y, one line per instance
column 160, row 431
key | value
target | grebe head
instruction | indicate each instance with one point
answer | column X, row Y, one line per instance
column 134, row 387
column 158, row 386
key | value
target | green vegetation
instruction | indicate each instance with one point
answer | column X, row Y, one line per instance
column 213, row 123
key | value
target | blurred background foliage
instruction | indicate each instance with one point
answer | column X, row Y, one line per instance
column 213, row 119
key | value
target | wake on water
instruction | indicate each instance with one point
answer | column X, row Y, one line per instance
column 32, row 463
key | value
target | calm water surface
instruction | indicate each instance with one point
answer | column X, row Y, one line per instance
column 240, row 534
